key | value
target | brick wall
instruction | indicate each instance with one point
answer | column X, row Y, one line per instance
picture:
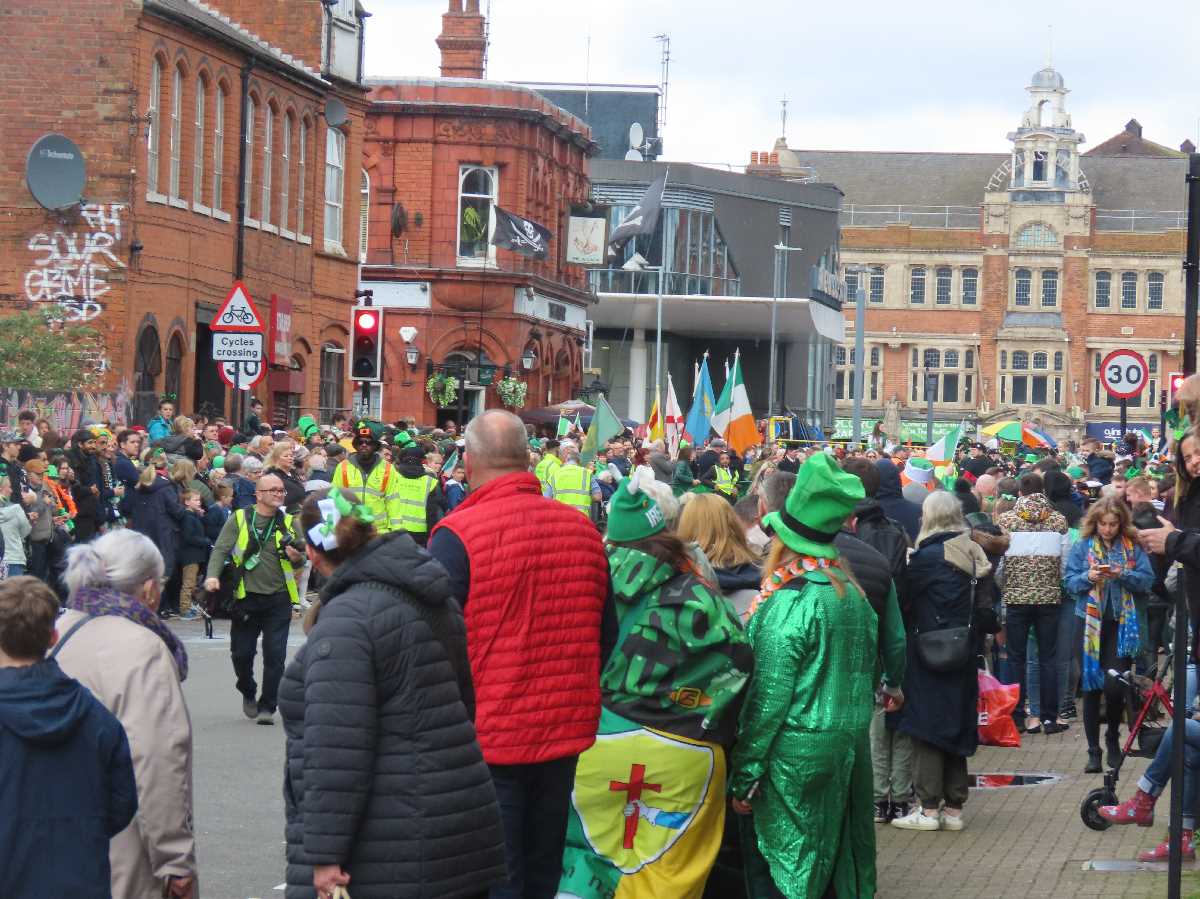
column 297, row 26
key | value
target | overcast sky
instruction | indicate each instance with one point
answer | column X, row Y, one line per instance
column 868, row 75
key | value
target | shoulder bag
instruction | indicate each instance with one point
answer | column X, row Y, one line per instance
column 947, row 648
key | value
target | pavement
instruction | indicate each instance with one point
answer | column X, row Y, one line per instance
column 1021, row 842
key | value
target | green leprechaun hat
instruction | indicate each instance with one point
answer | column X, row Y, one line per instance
column 307, row 426
column 816, row 508
column 918, row 470
column 372, row 430
column 632, row 514
column 403, row 439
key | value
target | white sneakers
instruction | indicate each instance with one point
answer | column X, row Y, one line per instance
column 918, row 820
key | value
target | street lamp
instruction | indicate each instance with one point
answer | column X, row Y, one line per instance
column 860, row 316
column 528, row 359
column 780, row 249
column 412, row 355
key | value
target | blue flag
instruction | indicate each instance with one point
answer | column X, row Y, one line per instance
column 703, row 402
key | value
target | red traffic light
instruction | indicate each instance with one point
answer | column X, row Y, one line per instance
column 365, row 321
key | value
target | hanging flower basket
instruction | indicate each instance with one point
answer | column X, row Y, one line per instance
column 442, row 390
column 512, row 392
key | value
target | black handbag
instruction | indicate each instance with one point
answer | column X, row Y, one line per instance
column 947, row 648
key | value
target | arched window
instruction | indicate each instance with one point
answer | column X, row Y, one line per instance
column 331, row 388
column 1103, row 289
column 1022, row 286
column 1040, row 361
column 477, row 193
column 285, row 173
column 969, row 360
column 153, row 126
column 301, row 175
column 268, row 161
column 970, row 286
column 147, row 366
column 1036, row 236
column 932, row 359
column 944, row 276
column 176, row 129
column 875, row 357
column 839, row 355
column 248, row 181
column 1129, row 290
column 1154, row 290
column 916, row 285
column 364, row 214
column 1003, row 359
column 218, row 147
column 173, row 381
column 1020, row 360
column 950, row 359
column 1152, row 362
column 335, row 183
column 198, row 142
column 1049, row 288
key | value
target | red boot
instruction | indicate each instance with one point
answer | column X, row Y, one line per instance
column 1139, row 810
column 1162, row 852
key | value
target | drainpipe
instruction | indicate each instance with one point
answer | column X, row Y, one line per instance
column 243, row 161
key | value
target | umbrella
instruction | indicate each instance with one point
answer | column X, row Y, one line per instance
column 1017, row 432
column 1044, row 437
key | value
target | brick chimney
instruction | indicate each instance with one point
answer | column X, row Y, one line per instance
column 462, row 42
column 1187, row 147
column 1134, row 127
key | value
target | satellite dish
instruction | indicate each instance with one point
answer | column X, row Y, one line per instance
column 632, row 155
column 335, row 112
column 636, row 136
column 54, row 172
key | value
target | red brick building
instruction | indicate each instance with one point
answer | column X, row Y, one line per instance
column 1011, row 274
column 440, row 155
column 154, row 94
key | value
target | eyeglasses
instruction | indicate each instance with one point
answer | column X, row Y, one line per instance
column 271, row 490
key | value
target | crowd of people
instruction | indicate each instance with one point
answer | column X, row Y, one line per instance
column 533, row 671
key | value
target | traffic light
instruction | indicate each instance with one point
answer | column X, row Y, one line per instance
column 366, row 361
column 1175, row 379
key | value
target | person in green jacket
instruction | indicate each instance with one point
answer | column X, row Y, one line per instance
column 685, row 475
column 802, row 762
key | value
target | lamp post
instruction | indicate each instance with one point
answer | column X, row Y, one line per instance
column 780, row 249
column 860, row 323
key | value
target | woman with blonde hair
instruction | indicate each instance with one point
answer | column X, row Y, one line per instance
column 710, row 522
column 184, row 477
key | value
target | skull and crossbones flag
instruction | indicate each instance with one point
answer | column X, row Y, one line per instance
column 520, row 235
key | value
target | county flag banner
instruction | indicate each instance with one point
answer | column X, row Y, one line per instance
column 654, row 425
column 673, row 419
column 646, row 815
column 643, row 217
column 703, row 402
column 605, row 426
column 520, row 235
column 943, row 451
column 733, row 418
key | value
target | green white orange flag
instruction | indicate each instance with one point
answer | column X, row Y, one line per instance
column 732, row 418
column 448, row 468
column 605, row 426
column 942, row 452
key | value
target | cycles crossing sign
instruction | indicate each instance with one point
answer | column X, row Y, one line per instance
column 237, row 313
column 1123, row 374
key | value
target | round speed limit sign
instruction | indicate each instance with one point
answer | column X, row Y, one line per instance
column 1123, row 374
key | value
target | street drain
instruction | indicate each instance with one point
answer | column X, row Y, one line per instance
column 999, row 781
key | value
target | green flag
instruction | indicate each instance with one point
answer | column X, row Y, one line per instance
column 605, row 426
column 448, row 468
column 564, row 425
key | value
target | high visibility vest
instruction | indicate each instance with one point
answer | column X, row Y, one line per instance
column 373, row 493
column 571, row 484
column 285, row 565
column 414, row 494
column 726, row 482
column 545, row 469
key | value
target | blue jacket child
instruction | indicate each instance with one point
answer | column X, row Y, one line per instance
column 66, row 785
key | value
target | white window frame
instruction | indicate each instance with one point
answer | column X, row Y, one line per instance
column 198, row 149
column 364, row 215
column 490, row 257
column 285, row 176
column 974, row 303
column 939, row 282
column 176, row 133
column 1096, row 290
column 218, row 150
column 335, row 190
column 1028, row 304
column 1054, row 279
column 965, row 379
column 1132, row 307
column 301, row 181
column 877, row 271
column 268, row 166
column 248, row 181
column 1159, row 280
column 153, row 139
column 912, row 285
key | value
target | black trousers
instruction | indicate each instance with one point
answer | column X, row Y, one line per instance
column 534, row 801
column 1113, row 692
column 268, row 615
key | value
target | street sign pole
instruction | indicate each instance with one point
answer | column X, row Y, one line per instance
column 1124, row 416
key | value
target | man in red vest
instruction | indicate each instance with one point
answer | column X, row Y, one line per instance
column 532, row 576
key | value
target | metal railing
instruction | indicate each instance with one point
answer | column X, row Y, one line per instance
column 968, row 217
column 616, row 280
column 1140, row 220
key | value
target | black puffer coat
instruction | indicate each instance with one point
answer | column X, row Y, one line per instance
column 384, row 774
column 156, row 512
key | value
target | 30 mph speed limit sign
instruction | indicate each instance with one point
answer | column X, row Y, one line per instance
column 1123, row 374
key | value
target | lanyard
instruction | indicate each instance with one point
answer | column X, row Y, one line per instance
column 266, row 535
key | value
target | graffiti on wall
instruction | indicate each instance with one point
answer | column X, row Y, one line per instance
column 66, row 410
column 72, row 270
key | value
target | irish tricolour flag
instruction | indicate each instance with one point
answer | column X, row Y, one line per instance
column 942, row 452
column 732, row 418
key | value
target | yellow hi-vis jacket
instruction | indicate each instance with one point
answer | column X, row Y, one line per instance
column 545, row 469
column 285, row 565
column 726, row 482
column 379, row 492
column 414, row 494
column 571, row 484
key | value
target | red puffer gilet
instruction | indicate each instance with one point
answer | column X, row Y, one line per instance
column 539, row 580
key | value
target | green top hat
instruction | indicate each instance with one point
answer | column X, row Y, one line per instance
column 373, row 430
column 819, row 503
column 307, row 426
column 403, row 439
column 919, row 470
column 632, row 514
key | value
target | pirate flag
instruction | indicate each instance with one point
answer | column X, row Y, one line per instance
column 520, row 235
column 643, row 217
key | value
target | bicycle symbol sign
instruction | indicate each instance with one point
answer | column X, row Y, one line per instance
column 237, row 313
column 1123, row 374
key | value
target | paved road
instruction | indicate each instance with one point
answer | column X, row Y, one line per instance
column 1022, row 842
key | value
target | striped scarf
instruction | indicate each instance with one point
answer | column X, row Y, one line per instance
column 1128, row 636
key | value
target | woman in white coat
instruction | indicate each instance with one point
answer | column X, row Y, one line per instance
column 112, row 641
